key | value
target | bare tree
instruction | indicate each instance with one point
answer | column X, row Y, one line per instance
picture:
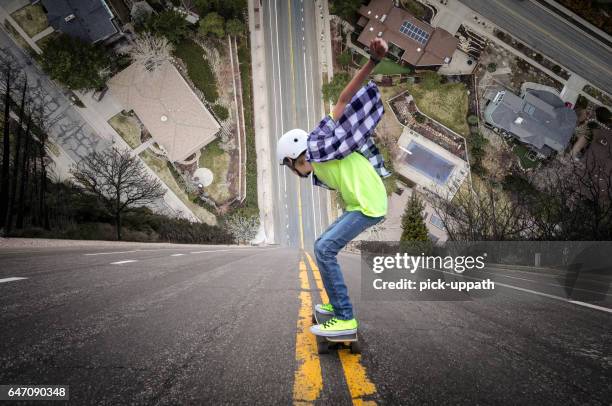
column 17, row 175
column 6, row 153
column 484, row 213
column 119, row 179
column 25, row 171
column 151, row 51
column 575, row 198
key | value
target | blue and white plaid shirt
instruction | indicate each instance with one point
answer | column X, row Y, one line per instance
column 352, row 132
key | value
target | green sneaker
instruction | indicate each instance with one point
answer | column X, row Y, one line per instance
column 326, row 308
column 335, row 327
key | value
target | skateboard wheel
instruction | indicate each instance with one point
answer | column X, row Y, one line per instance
column 355, row 347
column 322, row 345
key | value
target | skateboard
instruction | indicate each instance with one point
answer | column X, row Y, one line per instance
column 324, row 344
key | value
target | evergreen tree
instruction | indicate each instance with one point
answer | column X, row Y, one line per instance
column 74, row 62
column 413, row 225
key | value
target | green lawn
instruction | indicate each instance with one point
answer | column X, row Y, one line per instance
column 521, row 152
column 128, row 128
column 217, row 160
column 446, row 103
column 386, row 67
column 43, row 41
column 32, row 19
column 198, row 68
column 159, row 166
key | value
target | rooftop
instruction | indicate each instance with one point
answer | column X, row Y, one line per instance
column 538, row 118
column 89, row 20
column 422, row 44
column 168, row 108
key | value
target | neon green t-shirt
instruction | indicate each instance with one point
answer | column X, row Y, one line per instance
column 357, row 181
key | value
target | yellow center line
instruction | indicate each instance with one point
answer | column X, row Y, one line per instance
column 308, row 380
column 357, row 380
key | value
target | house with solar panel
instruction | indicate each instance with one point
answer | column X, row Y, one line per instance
column 411, row 41
column 538, row 118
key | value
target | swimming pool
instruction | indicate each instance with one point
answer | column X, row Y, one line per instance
column 428, row 163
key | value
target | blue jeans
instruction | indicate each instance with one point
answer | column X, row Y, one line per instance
column 346, row 227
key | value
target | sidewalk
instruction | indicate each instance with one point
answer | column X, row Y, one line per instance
column 262, row 132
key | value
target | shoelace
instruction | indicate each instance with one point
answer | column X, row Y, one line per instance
column 329, row 322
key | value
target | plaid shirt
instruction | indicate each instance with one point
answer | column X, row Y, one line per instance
column 352, row 132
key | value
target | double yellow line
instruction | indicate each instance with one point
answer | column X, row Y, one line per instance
column 308, row 379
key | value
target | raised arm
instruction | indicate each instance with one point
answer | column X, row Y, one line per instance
column 378, row 49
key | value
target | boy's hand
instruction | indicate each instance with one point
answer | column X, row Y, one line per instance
column 378, row 47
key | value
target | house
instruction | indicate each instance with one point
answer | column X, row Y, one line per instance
column 90, row 20
column 411, row 41
column 538, row 118
column 165, row 104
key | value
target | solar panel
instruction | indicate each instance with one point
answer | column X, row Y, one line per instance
column 412, row 31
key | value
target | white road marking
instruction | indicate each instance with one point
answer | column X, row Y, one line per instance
column 543, row 283
column 176, row 255
column 232, row 249
column 543, row 274
column 115, row 252
column 535, row 292
column 123, row 262
column 14, row 278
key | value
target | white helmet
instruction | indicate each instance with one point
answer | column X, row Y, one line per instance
column 291, row 144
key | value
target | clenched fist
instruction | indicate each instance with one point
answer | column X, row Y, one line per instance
column 378, row 48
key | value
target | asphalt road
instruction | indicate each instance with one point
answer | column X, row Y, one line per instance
column 294, row 101
column 195, row 325
column 550, row 35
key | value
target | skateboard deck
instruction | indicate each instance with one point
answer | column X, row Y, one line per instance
column 325, row 343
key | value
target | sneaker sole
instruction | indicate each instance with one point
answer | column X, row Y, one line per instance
column 332, row 333
column 325, row 312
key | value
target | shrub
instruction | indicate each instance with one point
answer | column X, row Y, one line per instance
column 74, row 62
column 220, row 111
column 582, row 102
column 472, row 120
column 344, row 59
column 556, row 69
column 603, row 115
column 492, row 67
column 198, row 69
column 593, row 125
column 419, row 118
column 169, row 24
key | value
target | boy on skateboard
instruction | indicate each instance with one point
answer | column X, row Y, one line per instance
column 340, row 154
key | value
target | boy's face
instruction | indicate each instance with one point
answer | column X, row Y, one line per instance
column 300, row 167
